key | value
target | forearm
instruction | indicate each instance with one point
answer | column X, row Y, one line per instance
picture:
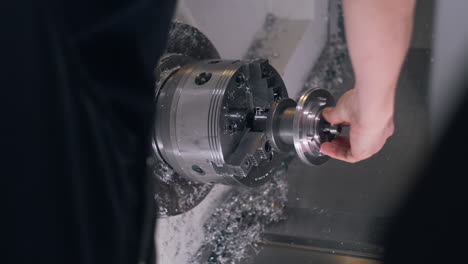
column 378, row 35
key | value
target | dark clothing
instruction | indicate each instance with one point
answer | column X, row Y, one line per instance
column 76, row 108
column 432, row 226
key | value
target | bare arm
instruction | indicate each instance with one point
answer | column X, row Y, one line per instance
column 378, row 34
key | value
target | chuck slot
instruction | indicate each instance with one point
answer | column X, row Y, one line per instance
column 259, row 121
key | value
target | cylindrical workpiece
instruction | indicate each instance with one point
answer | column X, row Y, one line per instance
column 300, row 125
column 285, row 125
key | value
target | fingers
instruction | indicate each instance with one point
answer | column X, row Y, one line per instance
column 367, row 136
column 339, row 149
column 342, row 141
column 333, row 115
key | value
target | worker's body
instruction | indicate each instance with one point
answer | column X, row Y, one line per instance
column 77, row 107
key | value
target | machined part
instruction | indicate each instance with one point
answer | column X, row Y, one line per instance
column 210, row 123
column 308, row 126
column 301, row 126
column 279, row 124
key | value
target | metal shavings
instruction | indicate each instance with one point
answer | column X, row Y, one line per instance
column 333, row 70
column 174, row 194
column 235, row 227
column 260, row 48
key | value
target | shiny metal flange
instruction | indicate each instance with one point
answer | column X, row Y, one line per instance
column 301, row 127
column 309, row 126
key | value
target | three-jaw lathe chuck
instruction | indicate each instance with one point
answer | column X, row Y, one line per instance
column 230, row 121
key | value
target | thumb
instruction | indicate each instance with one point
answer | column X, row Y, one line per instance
column 333, row 115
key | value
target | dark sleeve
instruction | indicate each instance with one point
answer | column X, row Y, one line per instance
column 77, row 108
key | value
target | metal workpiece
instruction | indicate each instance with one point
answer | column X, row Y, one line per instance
column 310, row 128
column 301, row 126
column 279, row 125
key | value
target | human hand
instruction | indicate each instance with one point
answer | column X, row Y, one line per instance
column 369, row 129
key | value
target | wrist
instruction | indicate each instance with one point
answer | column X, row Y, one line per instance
column 375, row 107
column 373, row 120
